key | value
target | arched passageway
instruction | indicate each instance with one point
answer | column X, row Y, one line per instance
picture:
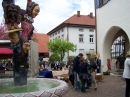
column 113, row 33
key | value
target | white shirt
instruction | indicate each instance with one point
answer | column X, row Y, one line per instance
column 126, row 73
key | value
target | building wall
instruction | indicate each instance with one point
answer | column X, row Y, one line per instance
column 114, row 14
column 59, row 33
column 73, row 36
column 85, row 45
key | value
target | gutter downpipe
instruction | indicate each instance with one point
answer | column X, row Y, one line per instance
column 67, row 37
column 95, row 24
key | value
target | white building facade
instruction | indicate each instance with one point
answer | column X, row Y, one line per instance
column 83, row 36
column 112, row 20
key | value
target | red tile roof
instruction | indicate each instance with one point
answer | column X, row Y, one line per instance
column 75, row 20
column 42, row 40
column 82, row 20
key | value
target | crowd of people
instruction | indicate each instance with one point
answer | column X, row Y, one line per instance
column 82, row 72
column 52, row 65
column 6, row 65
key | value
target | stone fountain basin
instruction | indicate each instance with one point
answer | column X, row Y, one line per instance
column 57, row 91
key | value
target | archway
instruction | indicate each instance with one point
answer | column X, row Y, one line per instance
column 112, row 34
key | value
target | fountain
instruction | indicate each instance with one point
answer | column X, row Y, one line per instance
column 36, row 87
column 20, row 38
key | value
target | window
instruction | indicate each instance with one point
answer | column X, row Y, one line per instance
column 53, row 34
column 62, row 30
column 81, row 30
column 59, row 32
column 100, row 3
column 91, row 30
column 63, row 36
column 56, row 33
column 91, row 50
column 81, row 51
column 81, row 38
column 58, row 36
column 91, row 38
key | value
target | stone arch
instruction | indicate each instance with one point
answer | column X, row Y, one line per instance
column 113, row 33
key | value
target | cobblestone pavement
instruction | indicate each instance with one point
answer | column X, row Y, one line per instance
column 111, row 86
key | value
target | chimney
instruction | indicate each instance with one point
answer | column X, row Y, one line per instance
column 91, row 15
column 78, row 13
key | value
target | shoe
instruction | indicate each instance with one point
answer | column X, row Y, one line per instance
column 86, row 87
column 95, row 89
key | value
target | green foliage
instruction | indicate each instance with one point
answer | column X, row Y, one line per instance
column 54, row 57
column 59, row 46
column 71, row 57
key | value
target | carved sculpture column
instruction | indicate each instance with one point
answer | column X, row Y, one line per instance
column 20, row 37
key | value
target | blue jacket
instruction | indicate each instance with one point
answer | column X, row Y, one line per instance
column 84, row 67
column 76, row 64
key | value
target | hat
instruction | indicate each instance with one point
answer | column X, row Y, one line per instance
column 14, row 30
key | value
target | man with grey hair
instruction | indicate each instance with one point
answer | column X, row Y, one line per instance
column 93, row 70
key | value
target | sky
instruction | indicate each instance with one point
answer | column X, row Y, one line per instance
column 54, row 12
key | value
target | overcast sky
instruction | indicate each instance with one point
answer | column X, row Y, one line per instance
column 54, row 12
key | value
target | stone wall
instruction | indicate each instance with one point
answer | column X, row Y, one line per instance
column 33, row 59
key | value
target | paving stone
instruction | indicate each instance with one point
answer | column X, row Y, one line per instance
column 111, row 86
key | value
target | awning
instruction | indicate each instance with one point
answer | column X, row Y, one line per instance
column 6, row 53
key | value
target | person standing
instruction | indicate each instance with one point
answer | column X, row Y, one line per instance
column 83, row 73
column 126, row 75
column 75, row 70
column 93, row 70
column 98, row 63
column 71, row 74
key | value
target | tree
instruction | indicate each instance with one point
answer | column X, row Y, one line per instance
column 3, row 29
column 60, row 47
column 54, row 57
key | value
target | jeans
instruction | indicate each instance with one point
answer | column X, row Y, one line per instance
column 89, row 81
column 76, row 83
column 127, row 92
column 83, row 81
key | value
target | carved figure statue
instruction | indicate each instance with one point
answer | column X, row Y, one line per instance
column 20, row 37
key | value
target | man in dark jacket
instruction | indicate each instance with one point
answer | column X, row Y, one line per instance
column 75, row 70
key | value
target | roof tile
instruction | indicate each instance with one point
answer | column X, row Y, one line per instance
column 42, row 40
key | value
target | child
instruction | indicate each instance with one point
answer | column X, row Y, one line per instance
column 71, row 75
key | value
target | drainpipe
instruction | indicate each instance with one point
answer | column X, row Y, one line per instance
column 68, row 37
column 95, row 24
